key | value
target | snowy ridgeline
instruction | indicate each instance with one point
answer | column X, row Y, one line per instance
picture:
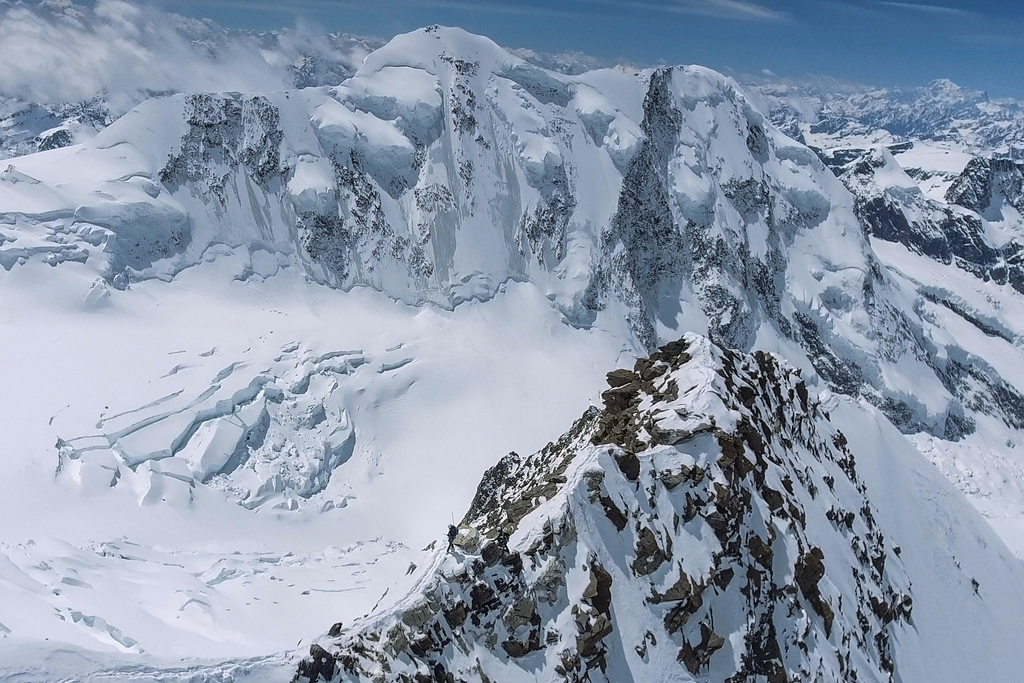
column 715, row 520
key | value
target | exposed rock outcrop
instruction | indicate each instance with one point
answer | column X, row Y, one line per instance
column 709, row 519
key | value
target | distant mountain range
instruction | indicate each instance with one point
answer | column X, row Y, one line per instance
column 821, row 112
column 940, row 112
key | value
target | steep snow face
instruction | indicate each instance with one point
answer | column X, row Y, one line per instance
column 713, row 521
column 959, row 263
column 447, row 166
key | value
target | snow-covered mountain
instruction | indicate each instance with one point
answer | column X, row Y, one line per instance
column 446, row 167
column 251, row 313
column 829, row 113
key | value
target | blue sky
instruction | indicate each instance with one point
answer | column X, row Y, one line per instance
column 977, row 44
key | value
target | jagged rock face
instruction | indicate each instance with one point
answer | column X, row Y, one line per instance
column 238, row 131
column 716, row 233
column 710, row 522
column 986, row 185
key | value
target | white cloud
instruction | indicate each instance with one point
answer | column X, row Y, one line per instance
column 930, row 9
column 57, row 51
column 724, row 9
column 61, row 52
column 736, row 9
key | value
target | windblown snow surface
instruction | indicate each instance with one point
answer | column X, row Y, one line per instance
column 260, row 348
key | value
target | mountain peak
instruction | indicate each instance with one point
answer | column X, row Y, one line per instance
column 943, row 88
column 429, row 47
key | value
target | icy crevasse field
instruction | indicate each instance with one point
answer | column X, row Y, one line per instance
column 169, row 561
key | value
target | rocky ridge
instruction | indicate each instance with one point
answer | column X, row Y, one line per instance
column 710, row 520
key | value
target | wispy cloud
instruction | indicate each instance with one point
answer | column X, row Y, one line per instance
column 992, row 39
column 387, row 6
column 725, row 9
column 722, row 9
column 739, row 9
column 67, row 53
column 931, row 9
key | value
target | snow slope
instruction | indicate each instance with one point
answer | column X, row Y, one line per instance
column 159, row 559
